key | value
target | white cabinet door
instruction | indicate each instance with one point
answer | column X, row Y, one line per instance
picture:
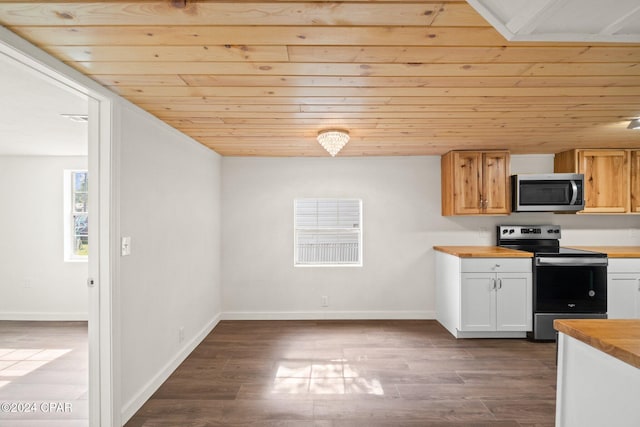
column 513, row 302
column 623, row 296
column 478, row 303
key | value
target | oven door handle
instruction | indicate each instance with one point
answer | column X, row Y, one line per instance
column 574, row 197
column 549, row 261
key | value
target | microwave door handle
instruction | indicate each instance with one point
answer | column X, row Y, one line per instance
column 574, row 188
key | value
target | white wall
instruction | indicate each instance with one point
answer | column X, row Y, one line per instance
column 170, row 207
column 401, row 224
column 32, row 242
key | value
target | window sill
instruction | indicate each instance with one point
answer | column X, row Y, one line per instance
column 85, row 260
column 327, row 265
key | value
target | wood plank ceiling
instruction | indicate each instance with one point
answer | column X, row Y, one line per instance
column 261, row 78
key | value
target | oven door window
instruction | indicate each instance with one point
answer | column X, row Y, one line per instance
column 570, row 289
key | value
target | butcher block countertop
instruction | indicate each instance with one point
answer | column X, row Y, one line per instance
column 482, row 252
column 614, row 251
column 619, row 338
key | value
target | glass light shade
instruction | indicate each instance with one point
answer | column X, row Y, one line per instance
column 333, row 140
column 635, row 124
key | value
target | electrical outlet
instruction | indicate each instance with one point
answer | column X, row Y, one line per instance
column 324, row 301
column 27, row 283
column 125, row 248
column 181, row 334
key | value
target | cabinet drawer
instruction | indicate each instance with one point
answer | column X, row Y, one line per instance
column 496, row 265
column 624, row 265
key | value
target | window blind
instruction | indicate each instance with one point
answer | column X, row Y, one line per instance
column 328, row 231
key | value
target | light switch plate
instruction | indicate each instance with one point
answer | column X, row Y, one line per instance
column 125, row 248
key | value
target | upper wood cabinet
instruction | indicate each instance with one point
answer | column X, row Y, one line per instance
column 635, row 180
column 608, row 181
column 475, row 183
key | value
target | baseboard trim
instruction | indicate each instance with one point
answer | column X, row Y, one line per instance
column 56, row 317
column 327, row 315
column 490, row 334
column 133, row 405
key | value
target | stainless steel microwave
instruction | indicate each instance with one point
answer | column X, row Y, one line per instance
column 553, row 192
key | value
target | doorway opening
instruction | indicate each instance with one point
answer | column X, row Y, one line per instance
column 44, row 308
column 96, row 283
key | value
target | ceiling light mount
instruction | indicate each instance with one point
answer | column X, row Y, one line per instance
column 333, row 140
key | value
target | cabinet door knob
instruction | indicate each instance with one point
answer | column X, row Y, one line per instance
column 494, row 283
column 499, row 283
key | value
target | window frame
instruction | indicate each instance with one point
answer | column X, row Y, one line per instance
column 359, row 232
column 68, row 216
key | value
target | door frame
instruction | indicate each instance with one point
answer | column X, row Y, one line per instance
column 103, row 187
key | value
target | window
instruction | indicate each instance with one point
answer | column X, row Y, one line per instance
column 76, row 230
column 328, row 232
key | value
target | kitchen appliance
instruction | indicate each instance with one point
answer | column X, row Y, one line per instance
column 567, row 283
column 553, row 192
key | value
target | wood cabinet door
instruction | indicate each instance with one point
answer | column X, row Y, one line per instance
column 495, row 185
column 467, row 176
column 635, row 180
column 605, row 180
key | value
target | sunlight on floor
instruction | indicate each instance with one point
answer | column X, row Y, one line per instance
column 332, row 377
column 21, row 362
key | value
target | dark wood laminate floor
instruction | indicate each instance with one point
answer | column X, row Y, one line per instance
column 355, row 373
column 44, row 374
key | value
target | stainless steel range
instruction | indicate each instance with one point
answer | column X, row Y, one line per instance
column 567, row 283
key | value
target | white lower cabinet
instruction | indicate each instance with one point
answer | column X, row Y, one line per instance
column 623, row 288
column 484, row 297
column 478, row 302
column 496, row 302
column 594, row 389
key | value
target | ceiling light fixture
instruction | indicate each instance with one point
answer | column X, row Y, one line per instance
column 333, row 140
column 634, row 124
